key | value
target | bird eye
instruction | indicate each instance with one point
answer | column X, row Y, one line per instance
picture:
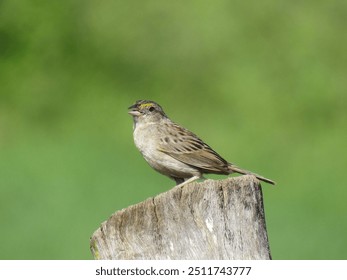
column 151, row 109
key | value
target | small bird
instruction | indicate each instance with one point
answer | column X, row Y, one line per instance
column 173, row 150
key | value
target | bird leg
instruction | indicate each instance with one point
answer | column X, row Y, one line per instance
column 191, row 179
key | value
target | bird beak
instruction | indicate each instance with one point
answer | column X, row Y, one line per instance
column 133, row 111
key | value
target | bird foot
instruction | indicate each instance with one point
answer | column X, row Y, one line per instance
column 190, row 180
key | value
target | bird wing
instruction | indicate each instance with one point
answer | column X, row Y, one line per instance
column 186, row 147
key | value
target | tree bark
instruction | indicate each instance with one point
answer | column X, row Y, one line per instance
column 208, row 220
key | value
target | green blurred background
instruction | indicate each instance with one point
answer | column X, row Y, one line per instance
column 262, row 82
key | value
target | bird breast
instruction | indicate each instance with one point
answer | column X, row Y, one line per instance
column 147, row 140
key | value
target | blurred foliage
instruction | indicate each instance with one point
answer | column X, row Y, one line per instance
column 263, row 82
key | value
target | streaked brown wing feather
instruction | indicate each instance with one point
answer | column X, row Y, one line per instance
column 189, row 149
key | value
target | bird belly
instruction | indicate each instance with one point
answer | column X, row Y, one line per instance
column 169, row 166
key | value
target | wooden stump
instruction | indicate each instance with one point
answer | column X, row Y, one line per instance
column 208, row 220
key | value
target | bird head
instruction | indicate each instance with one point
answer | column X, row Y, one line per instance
column 146, row 110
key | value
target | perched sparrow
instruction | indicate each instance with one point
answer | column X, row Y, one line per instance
column 173, row 150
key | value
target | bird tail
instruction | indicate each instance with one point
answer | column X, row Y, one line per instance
column 233, row 168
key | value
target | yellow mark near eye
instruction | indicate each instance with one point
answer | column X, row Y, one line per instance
column 146, row 105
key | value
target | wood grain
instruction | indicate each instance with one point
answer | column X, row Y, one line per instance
column 209, row 220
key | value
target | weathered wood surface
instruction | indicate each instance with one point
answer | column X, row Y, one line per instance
column 208, row 220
